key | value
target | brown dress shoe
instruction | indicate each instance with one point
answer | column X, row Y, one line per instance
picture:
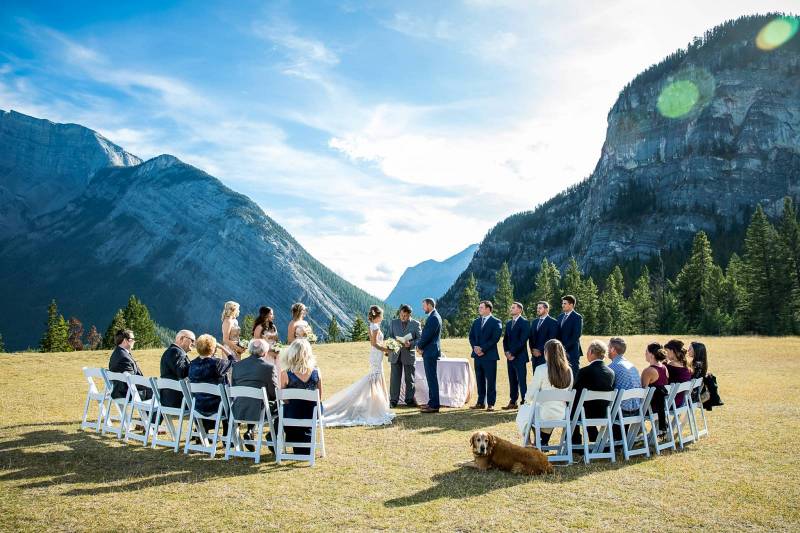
column 511, row 405
column 490, row 407
column 478, row 406
column 427, row 409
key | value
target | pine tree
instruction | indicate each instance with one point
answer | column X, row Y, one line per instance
column 504, row 295
column 767, row 284
column 359, row 331
column 2, row 344
column 75, row 334
column 446, row 328
column 589, row 306
column 615, row 310
column 247, row 327
column 333, row 330
column 93, row 339
column 547, row 287
column 55, row 338
column 693, row 284
column 572, row 282
column 137, row 319
column 734, row 297
column 117, row 323
column 789, row 230
column 643, row 304
column 467, row 308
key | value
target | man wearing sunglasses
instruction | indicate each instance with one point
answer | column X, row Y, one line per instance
column 122, row 360
column 175, row 365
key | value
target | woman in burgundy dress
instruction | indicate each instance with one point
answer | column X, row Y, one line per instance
column 677, row 366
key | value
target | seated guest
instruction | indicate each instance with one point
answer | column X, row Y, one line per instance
column 175, row 365
column 625, row 374
column 122, row 360
column 697, row 351
column 656, row 376
column 555, row 373
column 299, row 372
column 208, row 369
column 254, row 371
column 595, row 376
column 677, row 367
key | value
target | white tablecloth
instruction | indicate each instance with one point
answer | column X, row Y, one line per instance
column 456, row 382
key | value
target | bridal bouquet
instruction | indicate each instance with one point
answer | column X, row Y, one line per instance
column 277, row 346
column 242, row 343
column 310, row 335
column 392, row 345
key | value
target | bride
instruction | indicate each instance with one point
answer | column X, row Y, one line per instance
column 365, row 402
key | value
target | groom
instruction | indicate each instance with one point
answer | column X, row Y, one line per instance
column 402, row 361
column 429, row 345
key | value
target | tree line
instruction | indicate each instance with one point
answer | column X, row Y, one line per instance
column 757, row 293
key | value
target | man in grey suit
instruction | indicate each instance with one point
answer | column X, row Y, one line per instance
column 254, row 371
column 402, row 361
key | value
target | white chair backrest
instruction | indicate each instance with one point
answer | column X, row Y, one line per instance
column 299, row 394
column 138, row 381
column 555, row 395
column 164, row 383
column 114, row 376
column 91, row 374
column 634, row 394
column 248, row 392
column 591, row 395
column 205, row 388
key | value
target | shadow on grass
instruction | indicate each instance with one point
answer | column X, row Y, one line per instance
column 465, row 481
column 42, row 424
column 95, row 464
column 455, row 420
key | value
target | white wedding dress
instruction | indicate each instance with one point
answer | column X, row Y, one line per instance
column 365, row 402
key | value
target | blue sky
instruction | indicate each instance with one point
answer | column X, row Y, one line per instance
column 380, row 134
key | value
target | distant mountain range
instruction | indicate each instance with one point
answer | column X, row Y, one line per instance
column 87, row 223
column 429, row 279
column 693, row 143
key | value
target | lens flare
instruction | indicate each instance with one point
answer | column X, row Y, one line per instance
column 777, row 33
column 686, row 93
column 678, row 98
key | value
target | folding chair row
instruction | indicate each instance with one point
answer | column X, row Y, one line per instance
column 618, row 428
column 125, row 415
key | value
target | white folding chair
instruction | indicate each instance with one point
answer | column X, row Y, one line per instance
column 564, row 448
column 140, row 411
column 316, row 424
column 120, row 405
column 697, row 407
column 196, row 428
column 94, row 395
column 235, row 443
column 604, row 437
column 682, row 416
column 631, row 427
column 668, row 437
column 171, row 417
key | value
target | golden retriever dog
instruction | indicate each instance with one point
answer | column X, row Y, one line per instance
column 493, row 452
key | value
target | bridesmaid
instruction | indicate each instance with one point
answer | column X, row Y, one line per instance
column 231, row 330
column 677, row 367
column 298, row 324
column 264, row 328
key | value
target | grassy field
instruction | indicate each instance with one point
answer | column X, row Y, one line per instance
column 746, row 475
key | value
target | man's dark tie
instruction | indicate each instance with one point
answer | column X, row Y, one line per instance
column 539, row 324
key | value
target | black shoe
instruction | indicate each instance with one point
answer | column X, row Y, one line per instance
column 429, row 410
column 248, row 436
column 478, row 406
column 412, row 403
column 393, row 405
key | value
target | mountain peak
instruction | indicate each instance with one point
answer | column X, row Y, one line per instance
column 160, row 162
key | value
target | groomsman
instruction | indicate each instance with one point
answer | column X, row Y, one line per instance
column 515, row 346
column 429, row 346
column 543, row 329
column 483, row 337
column 571, row 324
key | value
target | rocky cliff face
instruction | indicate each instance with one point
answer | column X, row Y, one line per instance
column 169, row 233
column 429, row 279
column 693, row 143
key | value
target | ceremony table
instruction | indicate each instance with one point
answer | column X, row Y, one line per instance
column 456, row 382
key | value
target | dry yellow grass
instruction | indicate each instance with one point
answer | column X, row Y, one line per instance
column 404, row 477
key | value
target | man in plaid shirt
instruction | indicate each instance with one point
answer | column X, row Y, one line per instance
column 626, row 375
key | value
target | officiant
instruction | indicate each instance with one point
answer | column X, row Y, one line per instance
column 402, row 361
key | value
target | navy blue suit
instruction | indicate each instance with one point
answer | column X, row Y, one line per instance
column 515, row 341
column 487, row 338
column 571, row 329
column 540, row 334
column 430, row 344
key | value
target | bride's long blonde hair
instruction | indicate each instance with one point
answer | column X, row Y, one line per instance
column 298, row 357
